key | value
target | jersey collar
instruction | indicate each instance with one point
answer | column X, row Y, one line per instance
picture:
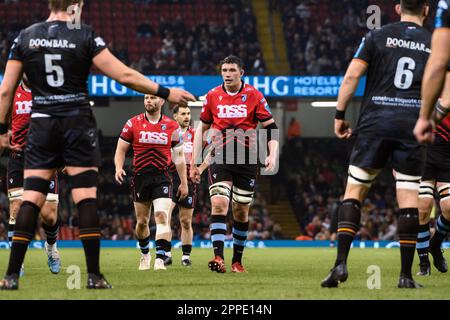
column 240, row 89
column 148, row 120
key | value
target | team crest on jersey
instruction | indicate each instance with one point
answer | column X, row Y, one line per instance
column 52, row 185
column 252, row 182
column 190, row 200
column 244, row 97
column 189, row 136
column 163, row 127
column 166, row 190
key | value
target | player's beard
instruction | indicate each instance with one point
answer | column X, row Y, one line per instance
column 152, row 109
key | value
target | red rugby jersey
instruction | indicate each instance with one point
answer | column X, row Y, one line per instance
column 243, row 110
column 188, row 145
column 151, row 142
column 20, row 119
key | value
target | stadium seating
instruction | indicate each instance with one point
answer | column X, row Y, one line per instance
column 119, row 23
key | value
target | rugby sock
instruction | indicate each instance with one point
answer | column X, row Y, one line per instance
column 144, row 245
column 161, row 245
column 26, row 223
column 90, row 233
column 218, row 229
column 186, row 248
column 240, row 231
column 423, row 242
column 11, row 232
column 52, row 231
column 168, row 249
column 442, row 231
column 408, row 226
column 349, row 218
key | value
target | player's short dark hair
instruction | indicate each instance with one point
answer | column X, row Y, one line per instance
column 413, row 6
column 61, row 5
column 232, row 59
column 177, row 108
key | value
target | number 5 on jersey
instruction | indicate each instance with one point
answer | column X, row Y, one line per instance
column 54, row 80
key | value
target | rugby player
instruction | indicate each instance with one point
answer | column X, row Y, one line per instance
column 57, row 55
column 437, row 170
column 394, row 58
column 152, row 136
column 233, row 110
column 20, row 120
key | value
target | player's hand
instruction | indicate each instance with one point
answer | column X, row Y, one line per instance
column 182, row 192
column 120, row 175
column 180, row 96
column 342, row 129
column 424, row 130
column 271, row 162
column 195, row 174
column 5, row 142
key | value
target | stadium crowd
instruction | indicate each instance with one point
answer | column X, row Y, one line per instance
column 170, row 43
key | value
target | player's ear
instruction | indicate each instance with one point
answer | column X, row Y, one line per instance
column 398, row 9
column 242, row 72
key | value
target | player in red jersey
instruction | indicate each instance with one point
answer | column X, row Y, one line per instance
column 182, row 114
column 436, row 176
column 20, row 121
column 152, row 137
column 233, row 110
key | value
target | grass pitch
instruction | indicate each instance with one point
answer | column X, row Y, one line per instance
column 272, row 274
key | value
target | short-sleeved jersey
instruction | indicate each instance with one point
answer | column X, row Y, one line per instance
column 188, row 145
column 20, row 118
column 443, row 14
column 57, row 61
column 235, row 116
column 396, row 56
column 151, row 142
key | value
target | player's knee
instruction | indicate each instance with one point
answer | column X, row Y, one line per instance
column 407, row 182
column 185, row 222
column 360, row 177
column 219, row 208
column 142, row 224
column 49, row 213
column 84, row 180
column 240, row 212
column 162, row 208
column 161, row 217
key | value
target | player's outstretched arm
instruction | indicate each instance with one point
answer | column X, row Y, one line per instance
column 432, row 83
column 355, row 71
column 115, row 69
column 442, row 108
column 13, row 74
column 119, row 159
column 435, row 71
